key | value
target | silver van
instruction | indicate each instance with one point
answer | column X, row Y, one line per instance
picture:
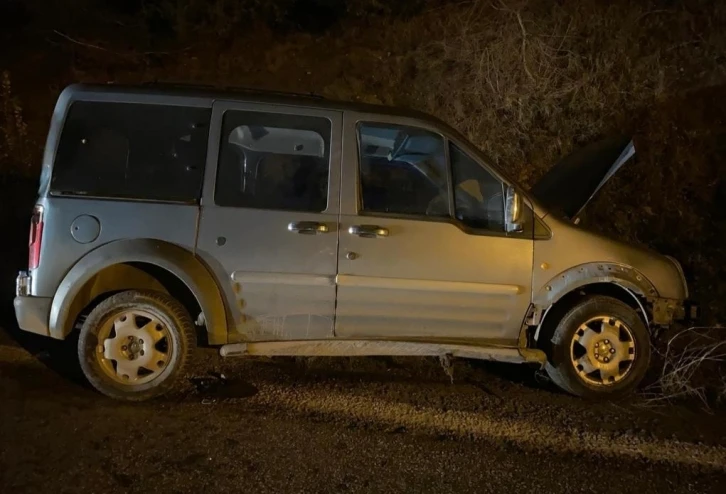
column 272, row 224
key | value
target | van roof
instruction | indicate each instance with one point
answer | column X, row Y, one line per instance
column 212, row 93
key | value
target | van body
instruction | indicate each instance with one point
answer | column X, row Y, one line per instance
column 273, row 224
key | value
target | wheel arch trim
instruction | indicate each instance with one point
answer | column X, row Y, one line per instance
column 635, row 298
column 588, row 274
column 625, row 277
column 173, row 258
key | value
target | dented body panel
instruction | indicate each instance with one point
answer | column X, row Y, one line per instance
column 573, row 257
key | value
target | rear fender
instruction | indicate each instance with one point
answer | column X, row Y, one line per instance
column 178, row 261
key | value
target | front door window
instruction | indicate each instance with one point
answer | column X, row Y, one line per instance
column 478, row 195
column 403, row 171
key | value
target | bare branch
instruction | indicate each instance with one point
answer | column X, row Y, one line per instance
column 120, row 54
column 524, row 46
column 524, row 36
column 83, row 43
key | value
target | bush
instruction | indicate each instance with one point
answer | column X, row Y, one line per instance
column 692, row 365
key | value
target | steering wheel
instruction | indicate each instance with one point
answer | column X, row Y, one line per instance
column 439, row 205
column 484, row 214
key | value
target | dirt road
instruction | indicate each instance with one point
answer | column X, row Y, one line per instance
column 340, row 425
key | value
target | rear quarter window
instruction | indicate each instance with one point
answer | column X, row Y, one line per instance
column 132, row 150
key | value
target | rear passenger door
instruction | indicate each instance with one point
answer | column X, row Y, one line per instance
column 269, row 217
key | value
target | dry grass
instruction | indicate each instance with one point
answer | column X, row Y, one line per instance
column 528, row 81
column 693, row 366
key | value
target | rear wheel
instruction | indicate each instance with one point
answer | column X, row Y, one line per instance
column 134, row 345
column 599, row 349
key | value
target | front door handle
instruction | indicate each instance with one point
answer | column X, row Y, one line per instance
column 368, row 231
column 308, row 227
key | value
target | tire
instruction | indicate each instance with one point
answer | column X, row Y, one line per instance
column 577, row 332
column 114, row 356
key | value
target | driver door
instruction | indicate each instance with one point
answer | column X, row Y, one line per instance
column 423, row 252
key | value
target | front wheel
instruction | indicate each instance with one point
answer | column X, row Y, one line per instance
column 134, row 345
column 599, row 349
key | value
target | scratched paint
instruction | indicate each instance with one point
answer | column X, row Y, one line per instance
column 274, row 311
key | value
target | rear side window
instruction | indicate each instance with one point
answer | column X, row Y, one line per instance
column 274, row 161
column 134, row 151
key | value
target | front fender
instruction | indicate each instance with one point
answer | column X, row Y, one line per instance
column 178, row 261
column 587, row 274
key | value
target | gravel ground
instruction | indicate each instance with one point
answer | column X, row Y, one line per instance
column 340, row 425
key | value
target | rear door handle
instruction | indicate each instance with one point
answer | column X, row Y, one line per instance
column 368, row 231
column 308, row 227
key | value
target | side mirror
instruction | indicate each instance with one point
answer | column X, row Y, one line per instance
column 513, row 210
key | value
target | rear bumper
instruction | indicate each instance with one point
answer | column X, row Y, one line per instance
column 33, row 314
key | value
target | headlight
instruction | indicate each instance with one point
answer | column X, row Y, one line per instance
column 680, row 272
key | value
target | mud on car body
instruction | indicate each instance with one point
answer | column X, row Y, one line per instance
column 276, row 224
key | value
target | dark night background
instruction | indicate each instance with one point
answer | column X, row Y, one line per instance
column 527, row 81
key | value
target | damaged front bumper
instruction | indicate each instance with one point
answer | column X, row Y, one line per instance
column 691, row 312
column 665, row 311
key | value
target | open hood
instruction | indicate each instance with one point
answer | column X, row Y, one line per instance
column 569, row 185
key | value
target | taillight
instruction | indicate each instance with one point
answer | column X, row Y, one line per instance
column 36, row 237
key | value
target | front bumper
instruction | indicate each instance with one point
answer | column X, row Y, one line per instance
column 666, row 311
column 691, row 312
